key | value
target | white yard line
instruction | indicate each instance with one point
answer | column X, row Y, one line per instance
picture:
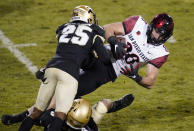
column 21, row 45
column 171, row 40
column 18, row 54
column 25, row 45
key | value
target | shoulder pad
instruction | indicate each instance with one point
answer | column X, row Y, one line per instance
column 60, row 28
column 98, row 30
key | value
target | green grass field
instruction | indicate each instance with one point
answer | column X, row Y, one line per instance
column 169, row 106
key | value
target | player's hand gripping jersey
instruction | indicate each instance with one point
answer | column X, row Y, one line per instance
column 139, row 51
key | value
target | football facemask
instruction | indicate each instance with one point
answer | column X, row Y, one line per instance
column 163, row 25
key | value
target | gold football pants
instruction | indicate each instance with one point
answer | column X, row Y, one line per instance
column 60, row 83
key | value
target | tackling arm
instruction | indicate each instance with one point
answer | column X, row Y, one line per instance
column 100, row 51
column 113, row 29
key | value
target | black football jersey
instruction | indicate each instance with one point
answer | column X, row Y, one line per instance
column 75, row 44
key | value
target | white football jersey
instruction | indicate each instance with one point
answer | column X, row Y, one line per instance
column 139, row 52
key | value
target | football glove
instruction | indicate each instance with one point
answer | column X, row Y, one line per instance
column 40, row 74
column 131, row 73
column 117, row 48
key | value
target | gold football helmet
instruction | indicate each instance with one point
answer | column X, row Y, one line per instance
column 79, row 114
column 84, row 13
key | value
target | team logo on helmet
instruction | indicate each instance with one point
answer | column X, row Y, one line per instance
column 79, row 114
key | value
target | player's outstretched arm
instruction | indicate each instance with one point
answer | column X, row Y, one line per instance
column 151, row 74
column 113, row 29
column 147, row 81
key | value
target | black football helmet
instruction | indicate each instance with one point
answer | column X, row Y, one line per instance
column 164, row 25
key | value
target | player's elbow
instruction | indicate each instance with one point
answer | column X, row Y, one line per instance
column 150, row 83
column 105, row 58
column 149, row 86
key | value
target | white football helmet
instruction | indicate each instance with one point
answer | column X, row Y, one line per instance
column 79, row 114
column 84, row 13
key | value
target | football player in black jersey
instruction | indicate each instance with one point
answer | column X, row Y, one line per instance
column 80, row 116
column 77, row 39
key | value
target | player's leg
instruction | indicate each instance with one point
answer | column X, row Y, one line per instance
column 93, row 78
column 121, row 103
column 65, row 92
column 7, row 119
column 45, row 94
column 107, row 106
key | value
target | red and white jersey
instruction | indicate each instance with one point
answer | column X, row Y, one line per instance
column 139, row 52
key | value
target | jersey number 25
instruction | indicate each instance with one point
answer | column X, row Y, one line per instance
column 79, row 37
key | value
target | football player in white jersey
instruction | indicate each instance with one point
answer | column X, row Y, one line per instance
column 145, row 46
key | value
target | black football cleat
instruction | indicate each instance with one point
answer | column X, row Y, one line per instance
column 11, row 119
column 122, row 103
column 6, row 119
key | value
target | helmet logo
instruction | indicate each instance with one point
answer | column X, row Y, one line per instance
column 83, row 13
column 160, row 24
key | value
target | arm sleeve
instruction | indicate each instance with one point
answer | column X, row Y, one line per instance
column 158, row 62
column 98, row 30
column 129, row 23
column 101, row 51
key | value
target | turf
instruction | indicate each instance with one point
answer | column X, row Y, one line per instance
column 169, row 106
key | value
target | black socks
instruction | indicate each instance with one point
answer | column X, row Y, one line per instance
column 26, row 125
column 56, row 124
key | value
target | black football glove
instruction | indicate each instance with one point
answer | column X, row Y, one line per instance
column 40, row 74
column 131, row 73
column 117, row 48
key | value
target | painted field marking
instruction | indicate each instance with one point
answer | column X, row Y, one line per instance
column 17, row 53
column 25, row 45
column 171, row 40
column 21, row 45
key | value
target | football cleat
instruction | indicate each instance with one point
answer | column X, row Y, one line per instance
column 11, row 119
column 7, row 119
column 122, row 103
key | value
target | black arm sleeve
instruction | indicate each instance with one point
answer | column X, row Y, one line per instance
column 98, row 30
column 101, row 51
